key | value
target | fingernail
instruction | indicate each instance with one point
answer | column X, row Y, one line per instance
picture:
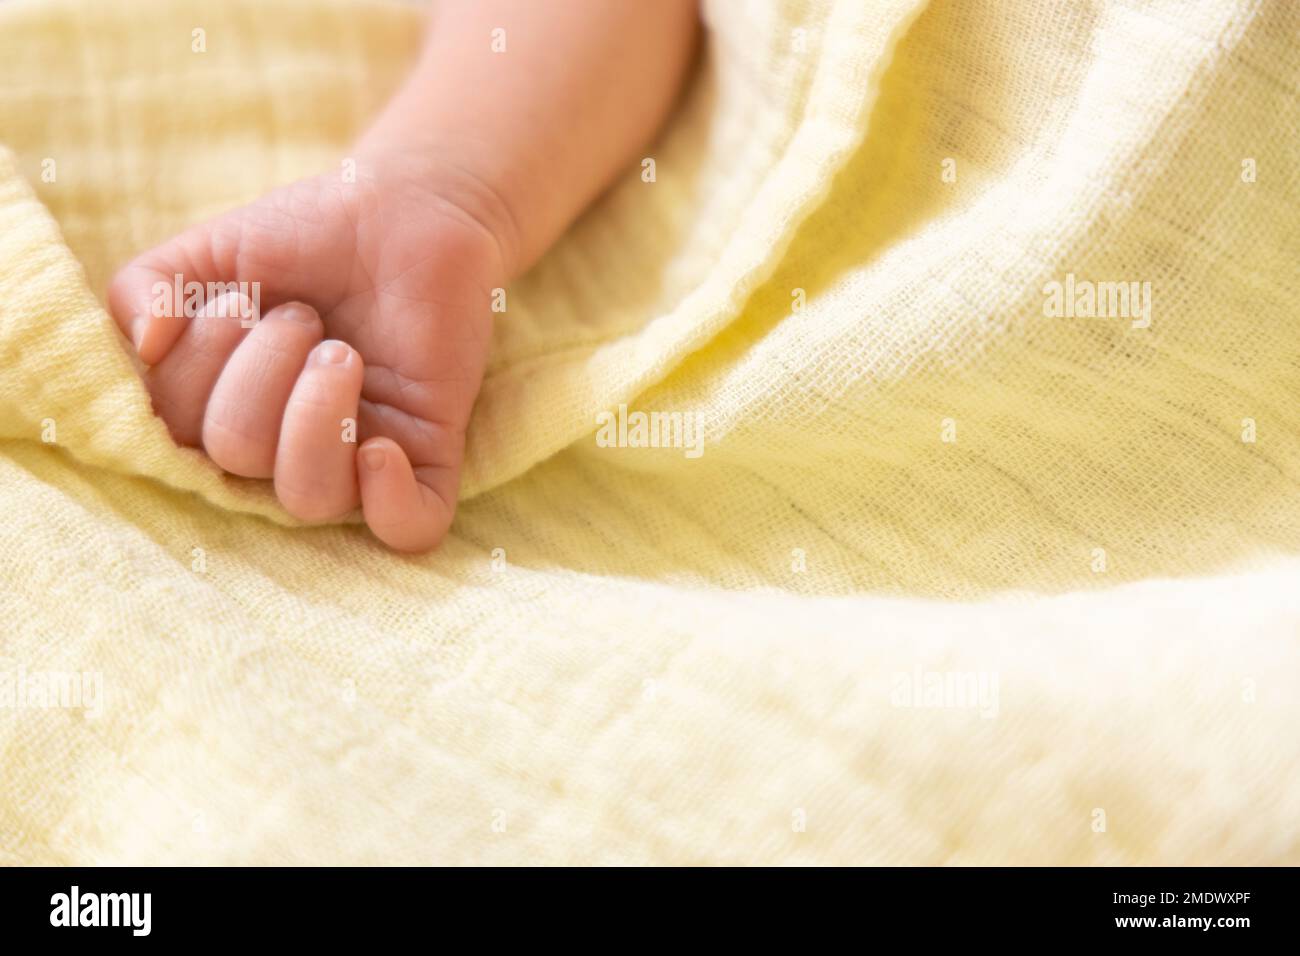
column 373, row 457
column 138, row 326
column 332, row 352
column 229, row 305
column 299, row 313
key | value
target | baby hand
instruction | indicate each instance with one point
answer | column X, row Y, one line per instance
column 356, row 385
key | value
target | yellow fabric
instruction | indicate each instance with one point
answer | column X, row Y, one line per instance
column 632, row 655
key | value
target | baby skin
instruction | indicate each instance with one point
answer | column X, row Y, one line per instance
column 377, row 288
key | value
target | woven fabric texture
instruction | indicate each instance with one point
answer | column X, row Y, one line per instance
column 987, row 313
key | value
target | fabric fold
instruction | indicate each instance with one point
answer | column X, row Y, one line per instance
column 983, row 317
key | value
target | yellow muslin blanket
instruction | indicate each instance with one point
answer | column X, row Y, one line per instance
column 989, row 551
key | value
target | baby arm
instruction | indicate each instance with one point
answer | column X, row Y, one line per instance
column 517, row 115
column 541, row 103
